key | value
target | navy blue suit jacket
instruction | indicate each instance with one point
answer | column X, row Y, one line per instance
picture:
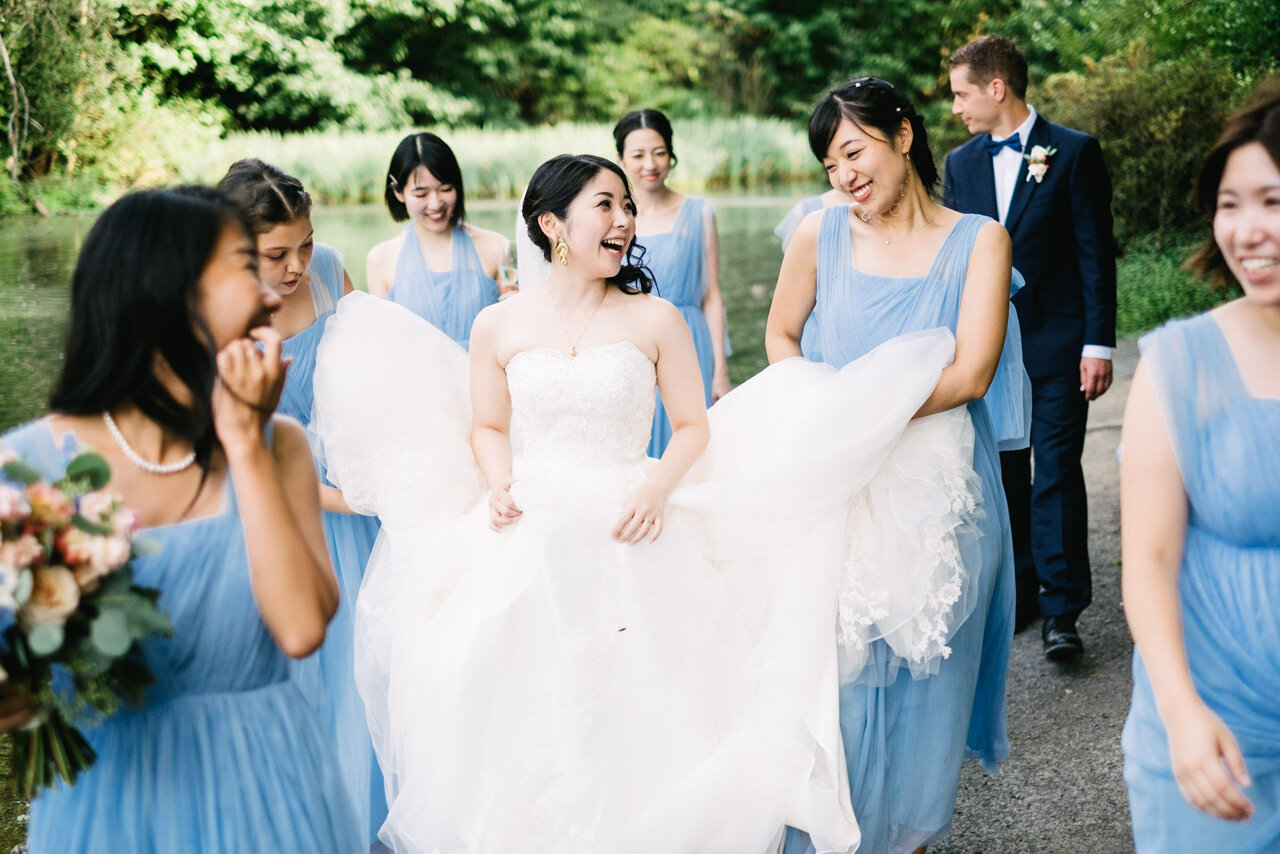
column 1063, row 242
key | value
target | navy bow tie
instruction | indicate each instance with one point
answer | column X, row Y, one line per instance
column 993, row 147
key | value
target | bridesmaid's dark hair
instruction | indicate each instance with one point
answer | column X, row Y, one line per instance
column 1258, row 121
column 430, row 151
column 870, row 102
column 133, row 297
column 268, row 195
column 637, row 119
column 553, row 188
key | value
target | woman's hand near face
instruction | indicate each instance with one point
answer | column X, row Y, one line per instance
column 250, row 382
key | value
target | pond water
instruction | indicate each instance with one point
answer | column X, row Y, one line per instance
column 37, row 257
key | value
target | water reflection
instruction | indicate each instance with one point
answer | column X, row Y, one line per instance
column 37, row 257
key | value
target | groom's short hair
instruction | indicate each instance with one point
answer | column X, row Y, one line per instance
column 989, row 57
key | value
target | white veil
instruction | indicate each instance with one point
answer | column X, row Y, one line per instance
column 531, row 267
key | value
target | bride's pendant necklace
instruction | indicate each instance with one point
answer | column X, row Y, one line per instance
column 573, row 342
column 140, row 461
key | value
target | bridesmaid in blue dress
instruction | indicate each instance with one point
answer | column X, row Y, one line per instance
column 439, row 267
column 784, row 231
column 682, row 249
column 1200, row 499
column 225, row 754
column 309, row 279
column 892, row 263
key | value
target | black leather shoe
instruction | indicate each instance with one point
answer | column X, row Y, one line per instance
column 1061, row 643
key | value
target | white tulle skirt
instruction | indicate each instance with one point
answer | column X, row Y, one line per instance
column 548, row 690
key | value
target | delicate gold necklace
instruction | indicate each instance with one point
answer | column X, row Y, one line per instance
column 573, row 342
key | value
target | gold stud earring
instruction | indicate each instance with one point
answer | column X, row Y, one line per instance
column 562, row 251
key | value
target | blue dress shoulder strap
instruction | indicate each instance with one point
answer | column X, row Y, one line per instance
column 327, row 277
column 835, row 251
column 1008, row 398
column 1194, row 377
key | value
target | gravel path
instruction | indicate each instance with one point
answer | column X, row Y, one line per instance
column 1061, row 789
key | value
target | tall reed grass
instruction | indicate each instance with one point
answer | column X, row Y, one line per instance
column 716, row 155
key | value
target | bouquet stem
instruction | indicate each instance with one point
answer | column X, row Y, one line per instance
column 54, row 749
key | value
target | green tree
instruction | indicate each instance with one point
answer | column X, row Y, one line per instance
column 273, row 65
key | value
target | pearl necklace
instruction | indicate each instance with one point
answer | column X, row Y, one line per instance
column 138, row 460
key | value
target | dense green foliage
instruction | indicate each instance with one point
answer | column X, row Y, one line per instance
column 118, row 93
column 1152, row 285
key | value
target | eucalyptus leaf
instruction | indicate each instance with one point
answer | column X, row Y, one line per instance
column 45, row 639
column 90, row 467
column 148, row 620
column 21, row 472
column 90, row 527
column 22, row 592
column 110, row 633
column 143, row 547
column 115, row 583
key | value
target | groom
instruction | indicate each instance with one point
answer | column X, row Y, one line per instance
column 1049, row 188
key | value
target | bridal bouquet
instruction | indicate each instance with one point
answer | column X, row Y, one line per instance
column 69, row 611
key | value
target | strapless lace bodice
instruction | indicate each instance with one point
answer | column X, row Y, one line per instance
column 591, row 411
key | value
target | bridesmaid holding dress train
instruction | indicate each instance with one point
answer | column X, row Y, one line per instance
column 440, row 267
column 891, row 264
column 1200, row 505
column 172, row 373
column 682, row 249
column 309, row 279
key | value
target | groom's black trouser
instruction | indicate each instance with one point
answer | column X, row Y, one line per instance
column 1049, row 514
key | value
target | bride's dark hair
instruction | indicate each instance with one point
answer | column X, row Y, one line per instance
column 553, row 188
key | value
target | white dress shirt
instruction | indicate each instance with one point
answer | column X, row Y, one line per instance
column 1006, row 165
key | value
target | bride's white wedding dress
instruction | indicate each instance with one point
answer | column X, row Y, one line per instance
column 548, row 690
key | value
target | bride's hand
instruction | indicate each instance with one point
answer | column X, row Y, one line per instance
column 641, row 516
column 502, row 507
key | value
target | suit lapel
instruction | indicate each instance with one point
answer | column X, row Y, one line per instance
column 985, row 175
column 1022, row 188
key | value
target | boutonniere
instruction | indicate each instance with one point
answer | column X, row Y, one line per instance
column 1038, row 161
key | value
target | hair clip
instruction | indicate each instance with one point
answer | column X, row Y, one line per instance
column 391, row 179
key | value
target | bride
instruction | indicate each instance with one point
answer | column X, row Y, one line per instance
column 565, row 646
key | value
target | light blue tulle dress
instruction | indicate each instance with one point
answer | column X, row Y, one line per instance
column 678, row 259
column 328, row 676
column 784, row 231
column 226, row 755
column 448, row 299
column 905, row 738
column 1224, row 441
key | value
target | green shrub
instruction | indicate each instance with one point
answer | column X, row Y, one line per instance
column 1152, row 287
column 1155, row 121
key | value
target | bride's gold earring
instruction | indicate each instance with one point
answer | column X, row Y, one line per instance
column 562, row 251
